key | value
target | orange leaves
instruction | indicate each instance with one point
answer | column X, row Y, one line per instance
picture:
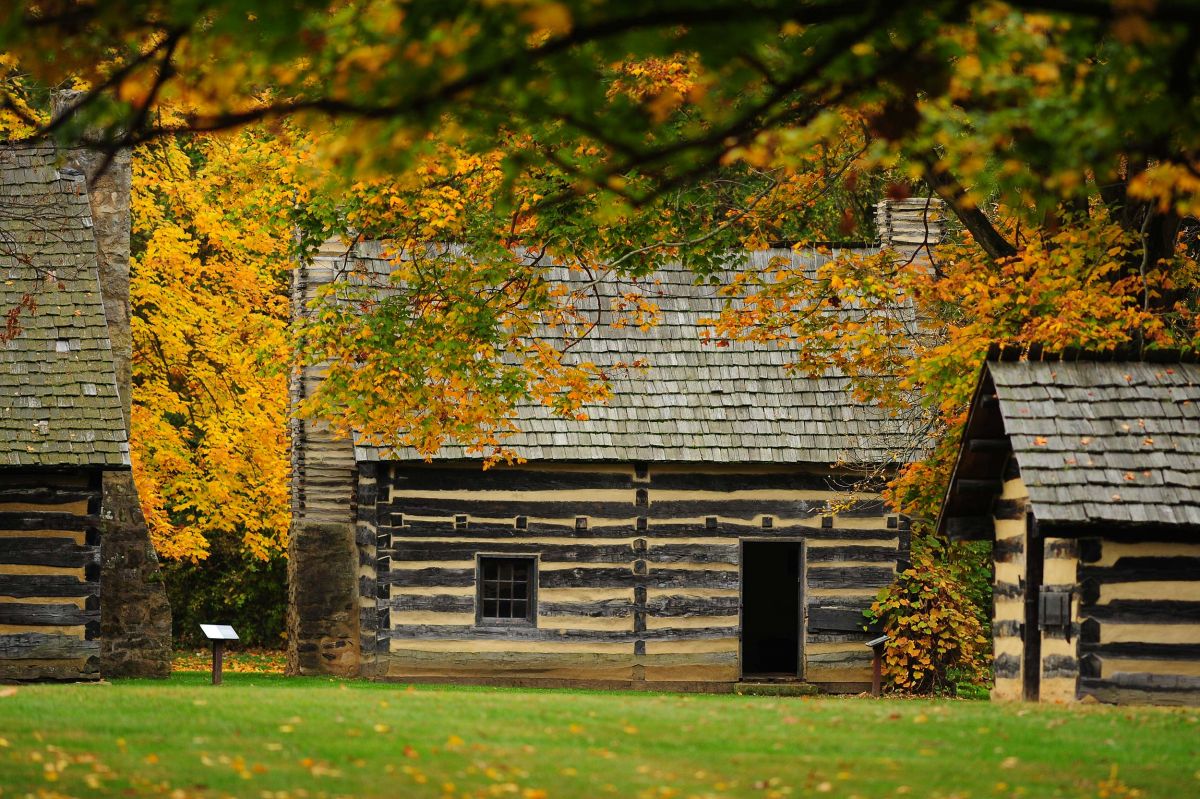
column 240, row 660
column 661, row 85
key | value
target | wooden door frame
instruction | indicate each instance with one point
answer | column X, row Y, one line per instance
column 801, row 585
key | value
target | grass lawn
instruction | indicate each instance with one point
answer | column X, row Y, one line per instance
column 262, row 735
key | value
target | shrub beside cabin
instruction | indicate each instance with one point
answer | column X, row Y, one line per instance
column 692, row 533
column 1085, row 472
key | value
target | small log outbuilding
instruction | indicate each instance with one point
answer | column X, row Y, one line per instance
column 1085, row 472
column 61, row 425
column 690, row 534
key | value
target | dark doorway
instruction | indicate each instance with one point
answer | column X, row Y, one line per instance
column 771, row 602
column 1031, row 662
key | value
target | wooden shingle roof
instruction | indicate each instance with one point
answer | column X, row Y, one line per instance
column 58, row 392
column 698, row 402
column 1098, row 443
column 1105, row 442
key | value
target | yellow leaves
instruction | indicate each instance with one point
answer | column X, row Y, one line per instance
column 320, row 768
column 549, row 18
column 661, row 85
column 210, row 314
column 1043, row 72
column 969, row 67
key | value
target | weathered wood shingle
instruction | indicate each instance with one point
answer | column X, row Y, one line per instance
column 58, row 391
column 1098, row 442
column 697, row 401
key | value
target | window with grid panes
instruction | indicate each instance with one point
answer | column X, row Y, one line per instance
column 507, row 590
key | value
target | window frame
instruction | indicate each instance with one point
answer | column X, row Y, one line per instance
column 530, row 619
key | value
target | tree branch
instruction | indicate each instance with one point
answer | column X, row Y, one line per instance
column 945, row 185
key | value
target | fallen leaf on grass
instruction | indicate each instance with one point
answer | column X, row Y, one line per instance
column 7, row 690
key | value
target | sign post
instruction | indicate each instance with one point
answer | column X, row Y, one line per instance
column 876, row 645
column 218, row 634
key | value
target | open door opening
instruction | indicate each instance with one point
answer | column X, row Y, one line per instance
column 771, row 609
column 1031, row 665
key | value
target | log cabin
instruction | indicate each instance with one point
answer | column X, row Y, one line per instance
column 1084, row 470
column 61, row 423
column 694, row 533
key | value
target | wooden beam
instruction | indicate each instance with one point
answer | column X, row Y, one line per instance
column 39, row 646
column 979, row 486
column 46, row 495
column 989, row 444
column 970, row 528
column 34, row 520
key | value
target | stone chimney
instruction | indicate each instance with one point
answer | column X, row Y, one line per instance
column 135, row 617
column 912, row 227
column 334, row 603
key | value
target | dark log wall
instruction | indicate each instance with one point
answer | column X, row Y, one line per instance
column 638, row 571
column 1134, row 632
column 49, row 574
column 1139, row 638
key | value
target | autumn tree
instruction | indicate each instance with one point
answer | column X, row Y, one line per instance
column 210, row 312
column 211, row 247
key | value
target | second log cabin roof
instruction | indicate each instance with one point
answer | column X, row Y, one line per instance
column 1100, row 444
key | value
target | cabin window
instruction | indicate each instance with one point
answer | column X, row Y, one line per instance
column 507, row 591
